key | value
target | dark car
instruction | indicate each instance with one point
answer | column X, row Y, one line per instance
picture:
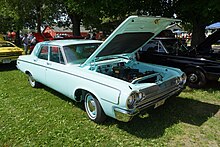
column 210, row 47
column 199, row 67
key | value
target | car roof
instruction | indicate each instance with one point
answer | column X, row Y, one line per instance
column 4, row 41
column 70, row 42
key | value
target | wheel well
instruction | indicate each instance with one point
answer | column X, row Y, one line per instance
column 195, row 67
column 27, row 72
column 79, row 94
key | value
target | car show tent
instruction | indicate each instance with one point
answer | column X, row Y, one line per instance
column 213, row 26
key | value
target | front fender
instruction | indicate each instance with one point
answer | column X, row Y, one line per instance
column 102, row 93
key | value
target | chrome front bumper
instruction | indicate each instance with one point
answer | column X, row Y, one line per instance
column 126, row 115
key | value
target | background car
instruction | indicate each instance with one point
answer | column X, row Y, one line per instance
column 105, row 76
column 210, row 47
column 199, row 67
column 9, row 52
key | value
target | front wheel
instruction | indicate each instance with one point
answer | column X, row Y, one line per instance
column 94, row 109
column 195, row 78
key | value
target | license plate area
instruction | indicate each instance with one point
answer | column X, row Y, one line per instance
column 161, row 102
column 6, row 61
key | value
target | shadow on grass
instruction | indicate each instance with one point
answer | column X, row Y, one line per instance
column 8, row 67
column 63, row 97
column 212, row 86
column 175, row 110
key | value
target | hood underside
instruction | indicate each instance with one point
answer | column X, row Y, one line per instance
column 125, row 43
column 130, row 35
column 205, row 46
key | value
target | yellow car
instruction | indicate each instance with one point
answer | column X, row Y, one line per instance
column 1, row 37
column 9, row 52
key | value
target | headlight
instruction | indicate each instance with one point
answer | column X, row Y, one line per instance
column 183, row 79
column 178, row 79
column 130, row 101
column 134, row 98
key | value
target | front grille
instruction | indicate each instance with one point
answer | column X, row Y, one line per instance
column 159, row 91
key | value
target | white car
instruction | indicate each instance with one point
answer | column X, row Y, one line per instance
column 106, row 76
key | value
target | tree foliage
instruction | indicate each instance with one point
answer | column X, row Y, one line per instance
column 199, row 13
column 8, row 17
column 105, row 15
column 25, row 13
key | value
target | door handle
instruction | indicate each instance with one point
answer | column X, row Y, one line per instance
column 48, row 63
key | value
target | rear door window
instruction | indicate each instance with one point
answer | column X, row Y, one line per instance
column 43, row 54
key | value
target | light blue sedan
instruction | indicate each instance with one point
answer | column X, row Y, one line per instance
column 105, row 75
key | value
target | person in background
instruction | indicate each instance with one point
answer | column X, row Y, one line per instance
column 25, row 42
column 88, row 36
column 94, row 36
column 13, row 36
column 33, row 42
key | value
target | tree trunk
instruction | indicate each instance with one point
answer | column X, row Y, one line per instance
column 39, row 19
column 75, row 18
column 198, row 35
column 17, row 38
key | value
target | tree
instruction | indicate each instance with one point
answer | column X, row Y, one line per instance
column 156, row 8
column 8, row 17
column 28, row 13
column 199, row 13
column 82, row 10
column 11, row 17
column 100, row 14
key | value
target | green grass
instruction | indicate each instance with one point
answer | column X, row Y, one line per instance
column 43, row 117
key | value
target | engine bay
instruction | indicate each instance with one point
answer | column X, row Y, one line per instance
column 128, row 73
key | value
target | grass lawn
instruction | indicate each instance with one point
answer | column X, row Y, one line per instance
column 43, row 117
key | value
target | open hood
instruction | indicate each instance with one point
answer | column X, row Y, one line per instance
column 130, row 35
column 205, row 46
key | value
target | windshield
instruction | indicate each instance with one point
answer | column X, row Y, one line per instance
column 174, row 45
column 78, row 53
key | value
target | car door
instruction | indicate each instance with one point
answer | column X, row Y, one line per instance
column 40, row 64
column 56, row 77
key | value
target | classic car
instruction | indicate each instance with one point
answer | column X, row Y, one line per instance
column 9, row 52
column 199, row 66
column 106, row 76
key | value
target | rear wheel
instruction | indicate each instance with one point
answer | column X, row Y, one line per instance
column 195, row 78
column 93, row 108
column 32, row 81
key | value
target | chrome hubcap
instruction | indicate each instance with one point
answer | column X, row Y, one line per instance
column 91, row 106
column 31, row 80
column 193, row 78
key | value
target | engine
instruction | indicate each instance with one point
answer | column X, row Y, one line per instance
column 126, row 73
